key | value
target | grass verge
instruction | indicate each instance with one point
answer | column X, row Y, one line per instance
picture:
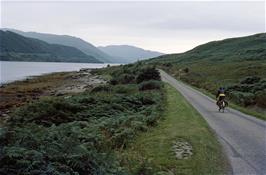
column 248, row 111
column 152, row 153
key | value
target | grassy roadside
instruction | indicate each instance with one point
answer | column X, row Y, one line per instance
column 250, row 111
column 152, row 153
column 233, row 105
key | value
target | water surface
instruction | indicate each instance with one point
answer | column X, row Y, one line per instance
column 12, row 70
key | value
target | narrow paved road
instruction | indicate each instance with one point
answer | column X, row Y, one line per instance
column 243, row 136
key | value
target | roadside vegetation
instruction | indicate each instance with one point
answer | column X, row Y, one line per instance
column 82, row 133
column 152, row 152
column 238, row 64
column 21, row 92
column 126, row 126
column 244, row 82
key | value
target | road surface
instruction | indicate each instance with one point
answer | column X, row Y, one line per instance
column 242, row 136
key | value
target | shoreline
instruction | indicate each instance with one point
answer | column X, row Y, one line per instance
column 13, row 71
column 20, row 92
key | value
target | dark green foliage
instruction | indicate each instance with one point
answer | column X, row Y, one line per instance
column 46, row 112
column 167, row 64
column 125, row 89
column 249, row 91
column 78, row 135
column 250, row 80
column 101, row 88
column 149, row 73
column 123, row 79
column 132, row 73
column 243, row 98
column 186, row 70
column 150, row 85
column 72, row 148
column 261, row 98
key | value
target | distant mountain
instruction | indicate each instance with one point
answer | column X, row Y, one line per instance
column 128, row 54
column 67, row 40
column 15, row 47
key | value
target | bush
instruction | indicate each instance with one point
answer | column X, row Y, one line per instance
column 250, row 91
column 123, row 79
column 250, row 80
column 67, row 149
column 101, row 88
column 46, row 112
column 124, row 89
column 149, row 73
column 150, row 85
column 77, row 134
column 186, row 70
column 261, row 98
column 243, row 98
column 167, row 64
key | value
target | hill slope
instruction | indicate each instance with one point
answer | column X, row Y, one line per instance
column 15, row 47
column 239, row 64
column 249, row 48
column 67, row 40
column 128, row 54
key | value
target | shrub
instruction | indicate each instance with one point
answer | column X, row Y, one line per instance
column 46, row 112
column 123, row 79
column 243, row 98
column 186, row 70
column 250, row 91
column 150, row 85
column 127, row 78
column 261, row 98
column 78, row 135
column 66, row 149
column 167, row 64
column 149, row 73
column 101, row 88
column 114, row 81
column 250, row 80
column 124, row 89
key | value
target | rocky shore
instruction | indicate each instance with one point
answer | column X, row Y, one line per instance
column 18, row 93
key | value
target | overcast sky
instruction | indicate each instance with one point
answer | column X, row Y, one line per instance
column 169, row 27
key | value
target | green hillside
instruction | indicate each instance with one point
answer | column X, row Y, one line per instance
column 67, row 40
column 249, row 48
column 15, row 47
column 239, row 64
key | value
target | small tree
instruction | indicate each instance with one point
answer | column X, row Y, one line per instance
column 186, row 70
column 149, row 73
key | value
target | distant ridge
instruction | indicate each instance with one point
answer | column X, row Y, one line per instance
column 246, row 48
column 15, row 47
column 127, row 53
column 67, row 40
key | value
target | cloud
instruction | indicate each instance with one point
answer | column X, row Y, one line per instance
column 163, row 26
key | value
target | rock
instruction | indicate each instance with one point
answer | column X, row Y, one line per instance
column 5, row 115
column 66, row 97
column 84, row 70
column 182, row 150
column 19, row 95
column 59, row 94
